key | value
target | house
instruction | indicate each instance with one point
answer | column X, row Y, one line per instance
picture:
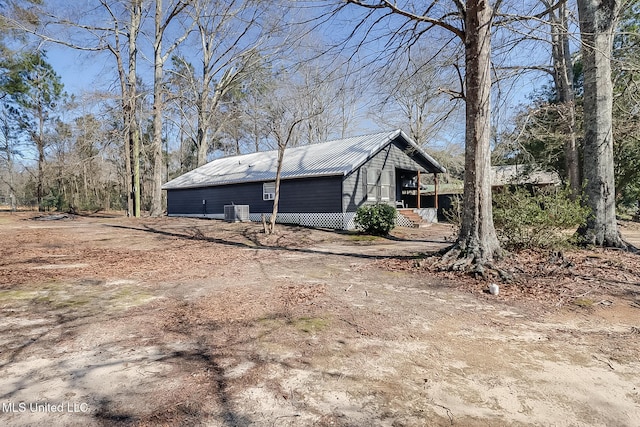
column 522, row 175
column 322, row 184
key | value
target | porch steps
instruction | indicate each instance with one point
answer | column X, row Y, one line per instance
column 414, row 218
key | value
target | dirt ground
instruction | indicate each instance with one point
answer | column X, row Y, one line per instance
column 115, row 321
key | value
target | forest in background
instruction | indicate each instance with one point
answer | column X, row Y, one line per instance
column 191, row 81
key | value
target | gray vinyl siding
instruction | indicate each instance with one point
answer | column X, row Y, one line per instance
column 389, row 159
column 313, row 195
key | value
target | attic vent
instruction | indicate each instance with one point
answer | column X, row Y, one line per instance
column 236, row 213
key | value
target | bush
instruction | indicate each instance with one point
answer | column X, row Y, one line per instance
column 378, row 219
column 453, row 214
column 536, row 220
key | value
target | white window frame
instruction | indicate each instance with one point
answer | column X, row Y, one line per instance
column 373, row 176
column 385, row 185
column 379, row 185
column 268, row 191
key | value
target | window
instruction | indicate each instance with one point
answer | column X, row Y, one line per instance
column 385, row 186
column 379, row 185
column 372, row 185
column 268, row 191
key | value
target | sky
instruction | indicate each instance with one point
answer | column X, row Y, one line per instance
column 83, row 72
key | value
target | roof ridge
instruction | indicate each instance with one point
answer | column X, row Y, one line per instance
column 388, row 132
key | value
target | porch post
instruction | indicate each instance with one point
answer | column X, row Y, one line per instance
column 418, row 189
column 435, row 180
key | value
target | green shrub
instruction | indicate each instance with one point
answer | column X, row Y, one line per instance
column 453, row 214
column 378, row 219
column 540, row 219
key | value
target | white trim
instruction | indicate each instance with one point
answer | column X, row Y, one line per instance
column 385, row 185
column 373, row 177
column 268, row 190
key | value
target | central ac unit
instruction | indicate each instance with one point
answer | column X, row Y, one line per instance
column 236, row 213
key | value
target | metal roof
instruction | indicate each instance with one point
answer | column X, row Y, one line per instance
column 337, row 157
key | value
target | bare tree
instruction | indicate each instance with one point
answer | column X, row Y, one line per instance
column 182, row 111
column 324, row 91
column 597, row 26
column 128, row 88
column 471, row 23
column 286, row 115
column 563, row 80
column 414, row 95
column 115, row 27
column 104, row 30
column 229, row 34
column 162, row 20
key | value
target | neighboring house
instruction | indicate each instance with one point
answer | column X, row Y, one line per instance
column 322, row 184
column 522, row 175
column 506, row 176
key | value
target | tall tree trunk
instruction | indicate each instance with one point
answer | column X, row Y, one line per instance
column 563, row 78
column 159, row 59
column 40, row 177
column 134, row 134
column 202, row 142
column 41, row 159
column 128, row 92
column 598, row 20
column 158, row 68
column 477, row 242
column 135, row 145
column 128, row 184
column 276, row 199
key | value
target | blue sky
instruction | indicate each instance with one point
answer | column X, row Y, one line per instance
column 87, row 71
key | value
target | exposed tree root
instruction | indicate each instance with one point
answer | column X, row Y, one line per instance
column 611, row 240
column 455, row 258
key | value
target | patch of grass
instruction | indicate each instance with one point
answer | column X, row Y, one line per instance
column 363, row 238
column 17, row 295
column 130, row 297
column 57, row 295
column 310, row 324
column 583, row 302
column 270, row 322
column 75, row 302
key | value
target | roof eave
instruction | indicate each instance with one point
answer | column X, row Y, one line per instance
column 430, row 160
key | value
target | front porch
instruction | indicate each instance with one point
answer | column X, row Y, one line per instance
column 416, row 190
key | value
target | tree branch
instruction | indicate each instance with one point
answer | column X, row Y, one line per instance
column 392, row 6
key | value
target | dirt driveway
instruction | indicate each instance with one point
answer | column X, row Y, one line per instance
column 116, row 321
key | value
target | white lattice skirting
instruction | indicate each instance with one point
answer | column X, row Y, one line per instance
column 403, row 221
column 336, row 220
